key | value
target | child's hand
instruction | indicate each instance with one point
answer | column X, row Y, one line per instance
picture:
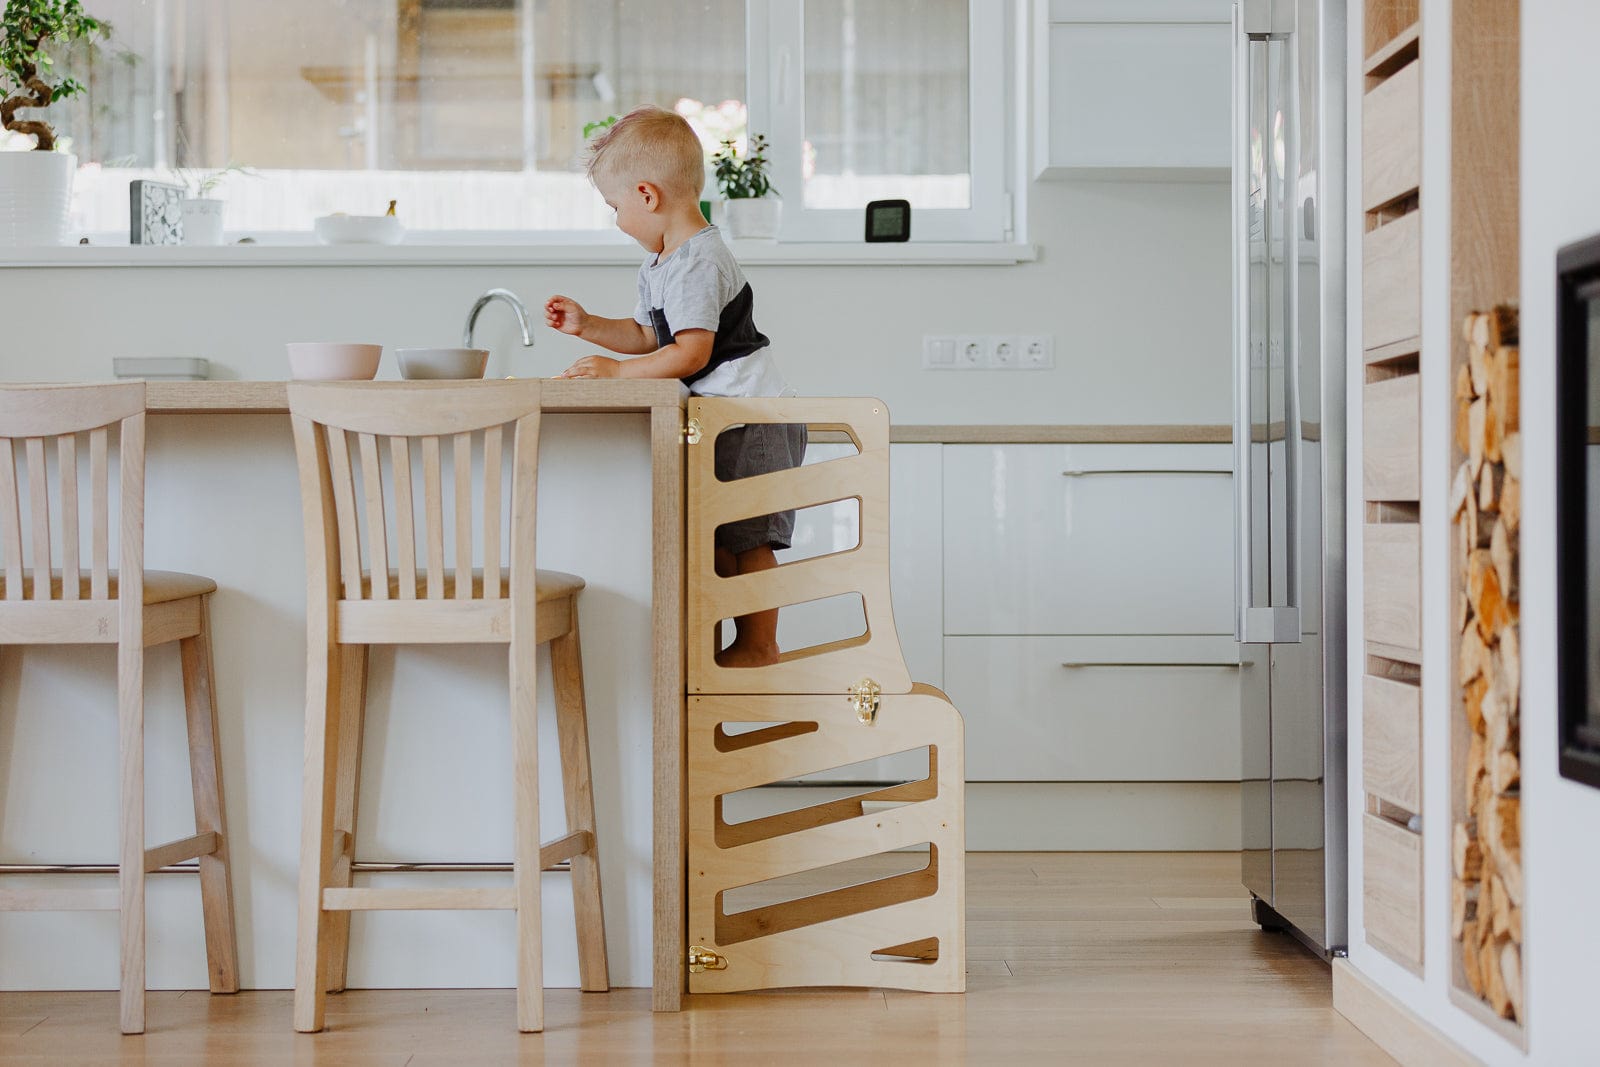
column 565, row 314
column 593, row 367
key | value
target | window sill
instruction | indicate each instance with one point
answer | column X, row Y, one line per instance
column 429, row 255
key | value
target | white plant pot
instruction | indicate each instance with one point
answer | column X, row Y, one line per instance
column 751, row 218
column 35, row 195
column 202, row 221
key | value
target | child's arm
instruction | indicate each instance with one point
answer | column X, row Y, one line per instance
column 619, row 335
column 689, row 352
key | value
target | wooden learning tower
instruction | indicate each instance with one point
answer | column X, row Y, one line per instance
column 810, row 902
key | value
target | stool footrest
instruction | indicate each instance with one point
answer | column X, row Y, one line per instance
column 201, row 844
column 60, row 900
column 495, row 899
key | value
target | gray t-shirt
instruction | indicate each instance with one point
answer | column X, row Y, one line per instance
column 700, row 287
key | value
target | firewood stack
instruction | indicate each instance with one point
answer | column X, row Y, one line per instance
column 1486, row 898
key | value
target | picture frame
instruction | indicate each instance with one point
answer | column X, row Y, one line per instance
column 155, row 213
column 1577, row 504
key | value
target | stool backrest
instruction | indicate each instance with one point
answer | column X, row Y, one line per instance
column 359, row 518
column 43, row 426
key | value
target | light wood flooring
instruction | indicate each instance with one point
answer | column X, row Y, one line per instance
column 1102, row 958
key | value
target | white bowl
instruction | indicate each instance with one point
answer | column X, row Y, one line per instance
column 326, row 361
column 424, row 364
column 359, row 229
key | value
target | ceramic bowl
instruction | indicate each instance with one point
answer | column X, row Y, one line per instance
column 359, row 229
column 431, row 363
column 326, row 361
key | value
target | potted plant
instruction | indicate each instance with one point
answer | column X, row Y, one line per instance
column 751, row 207
column 36, row 186
column 202, row 213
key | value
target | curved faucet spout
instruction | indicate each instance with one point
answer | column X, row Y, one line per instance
column 516, row 305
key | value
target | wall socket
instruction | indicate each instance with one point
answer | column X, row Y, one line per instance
column 998, row 351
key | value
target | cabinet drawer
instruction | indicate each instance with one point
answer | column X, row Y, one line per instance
column 1392, row 889
column 1392, row 585
column 1088, row 539
column 1391, row 463
column 1104, row 709
column 1391, row 120
column 1391, row 742
column 1391, row 288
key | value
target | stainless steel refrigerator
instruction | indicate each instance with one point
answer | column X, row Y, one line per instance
column 1289, row 476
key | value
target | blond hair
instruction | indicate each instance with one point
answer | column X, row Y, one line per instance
column 650, row 144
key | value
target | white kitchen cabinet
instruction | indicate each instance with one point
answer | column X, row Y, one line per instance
column 1088, row 539
column 1133, row 89
column 1097, row 709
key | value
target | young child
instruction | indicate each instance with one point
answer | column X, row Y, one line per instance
column 694, row 322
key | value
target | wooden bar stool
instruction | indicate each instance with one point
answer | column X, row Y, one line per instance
column 131, row 608
column 360, row 593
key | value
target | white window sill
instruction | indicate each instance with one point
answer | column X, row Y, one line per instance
column 441, row 255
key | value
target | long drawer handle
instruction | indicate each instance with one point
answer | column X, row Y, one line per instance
column 1139, row 470
column 1108, row 663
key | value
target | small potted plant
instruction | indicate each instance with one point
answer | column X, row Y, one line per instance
column 36, row 186
column 202, row 213
column 751, row 207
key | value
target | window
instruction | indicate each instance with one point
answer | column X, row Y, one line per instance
column 470, row 113
column 886, row 100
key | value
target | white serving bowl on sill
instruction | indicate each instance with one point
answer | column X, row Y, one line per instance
column 429, row 364
column 359, row 229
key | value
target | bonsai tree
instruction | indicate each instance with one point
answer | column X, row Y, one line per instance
column 27, row 75
column 743, row 179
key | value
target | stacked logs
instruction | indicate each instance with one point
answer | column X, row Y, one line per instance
column 1486, row 898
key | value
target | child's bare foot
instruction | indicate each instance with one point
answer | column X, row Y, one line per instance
column 748, row 654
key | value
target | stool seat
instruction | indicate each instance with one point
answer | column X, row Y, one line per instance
column 548, row 585
column 160, row 587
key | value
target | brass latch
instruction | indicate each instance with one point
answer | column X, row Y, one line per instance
column 703, row 959
column 691, row 432
column 864, row 695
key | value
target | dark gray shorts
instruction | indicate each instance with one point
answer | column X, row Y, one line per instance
column 744, row 452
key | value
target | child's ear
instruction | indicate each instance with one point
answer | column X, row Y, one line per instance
column 650, row 195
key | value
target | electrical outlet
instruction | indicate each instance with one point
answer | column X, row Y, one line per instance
column 938, row 353
column 1002, row 352
column 1036, row 351
column 971, row 352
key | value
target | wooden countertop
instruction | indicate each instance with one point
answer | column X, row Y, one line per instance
column 268, row 398
column 566, row 395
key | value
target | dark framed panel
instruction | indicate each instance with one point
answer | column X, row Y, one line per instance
column 1577, row 503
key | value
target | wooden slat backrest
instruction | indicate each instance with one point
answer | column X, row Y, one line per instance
column 39, row 423
column 355, row 524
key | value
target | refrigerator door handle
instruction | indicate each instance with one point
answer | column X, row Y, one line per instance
column 1269, row 23
column 1243, row 550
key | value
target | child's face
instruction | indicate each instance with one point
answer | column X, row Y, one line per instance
column 638, row 208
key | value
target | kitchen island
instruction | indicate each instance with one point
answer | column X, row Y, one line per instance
column 222, row 500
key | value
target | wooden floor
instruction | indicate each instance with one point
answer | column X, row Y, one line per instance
column 1073, row 958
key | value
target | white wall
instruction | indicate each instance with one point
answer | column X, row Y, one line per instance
column 1132, row 281
column 1561, row 820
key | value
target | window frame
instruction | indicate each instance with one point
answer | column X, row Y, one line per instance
column 775, row 32
column 775, row 98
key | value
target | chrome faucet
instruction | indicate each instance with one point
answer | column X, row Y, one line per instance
column 516, row 305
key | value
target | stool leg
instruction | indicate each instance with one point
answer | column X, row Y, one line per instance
column 525, row 789
column 130, row 871
column 316, row 820
column 346, row 796
column 205, row 773
column 572, row 723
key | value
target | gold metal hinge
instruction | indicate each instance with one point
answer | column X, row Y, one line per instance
column 691, row 432
column 703, row 959
column 864, row 695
